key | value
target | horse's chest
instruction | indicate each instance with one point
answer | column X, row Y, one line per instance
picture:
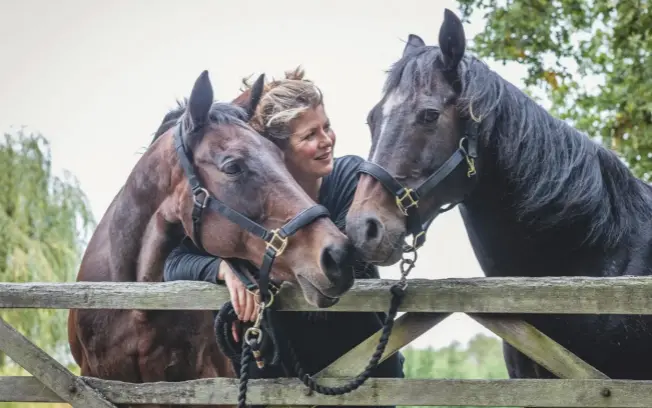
column 619, row 346
column 175, row 345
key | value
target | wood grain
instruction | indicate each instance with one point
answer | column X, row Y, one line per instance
column 378, row 391
column 620, row 295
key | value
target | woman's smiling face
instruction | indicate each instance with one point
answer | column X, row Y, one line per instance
column 310, row 148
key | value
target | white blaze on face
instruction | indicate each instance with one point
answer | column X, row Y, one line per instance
column 393, row 101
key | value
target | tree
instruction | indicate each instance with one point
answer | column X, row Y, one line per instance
column 44, row 221
column 591, row 59
column 481, row 358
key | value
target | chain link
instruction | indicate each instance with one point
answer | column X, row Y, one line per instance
column 407, row 264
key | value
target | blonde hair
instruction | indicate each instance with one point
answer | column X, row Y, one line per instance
column 282, row 102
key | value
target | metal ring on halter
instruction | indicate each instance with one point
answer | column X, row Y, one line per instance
column 253, row 331
column 207, row 197
column 256, row 294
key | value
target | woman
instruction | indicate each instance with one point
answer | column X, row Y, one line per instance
column 291, row 114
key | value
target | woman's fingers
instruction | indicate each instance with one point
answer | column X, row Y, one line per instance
column 250, row 308
column 237, row 300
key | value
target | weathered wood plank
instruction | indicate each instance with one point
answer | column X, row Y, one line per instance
column 407, row 327
column 378, row 391
column 621, row 295
column 62, row 382
column 539, row 347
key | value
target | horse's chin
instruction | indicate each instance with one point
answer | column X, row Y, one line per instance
column 394, row 256
column 314, row 295
column 388, row 253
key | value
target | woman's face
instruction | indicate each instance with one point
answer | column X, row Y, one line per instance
column 310, row 147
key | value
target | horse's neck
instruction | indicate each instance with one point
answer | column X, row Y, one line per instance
column 141, row 235
column 508, row 246
column 548, row 200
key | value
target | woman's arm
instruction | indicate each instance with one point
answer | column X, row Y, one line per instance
column 187, row 262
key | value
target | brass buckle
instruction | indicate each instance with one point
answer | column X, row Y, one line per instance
column 471, row 164
column 277, row 242
column 469, row 160
column 412, row 203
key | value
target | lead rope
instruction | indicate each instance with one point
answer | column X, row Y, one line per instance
column 253, row 336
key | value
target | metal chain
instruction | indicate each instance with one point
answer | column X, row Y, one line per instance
column 407, row 263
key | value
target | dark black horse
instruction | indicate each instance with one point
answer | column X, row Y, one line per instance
column 544, row 200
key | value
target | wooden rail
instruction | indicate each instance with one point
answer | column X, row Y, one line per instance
column 621, row 295
column 377, row 391
column 490, row 301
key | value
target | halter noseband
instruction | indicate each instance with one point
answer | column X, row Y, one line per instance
column 407, row 199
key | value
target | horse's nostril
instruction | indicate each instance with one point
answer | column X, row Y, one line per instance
column 373, row 228
column 329, row 261
column 336, row 261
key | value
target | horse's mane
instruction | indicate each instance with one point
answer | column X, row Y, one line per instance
column 170, row 118
column 221, row 113
column 558, row 173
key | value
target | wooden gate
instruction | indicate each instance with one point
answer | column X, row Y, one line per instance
column 490, row 301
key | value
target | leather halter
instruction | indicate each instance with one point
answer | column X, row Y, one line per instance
column 276, row 240
column 407, row 199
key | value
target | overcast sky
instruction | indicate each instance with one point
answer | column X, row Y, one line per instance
column 97, row 77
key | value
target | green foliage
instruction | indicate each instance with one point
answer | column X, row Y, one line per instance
column 481, row 359
column 590, row 57
column 44, row 220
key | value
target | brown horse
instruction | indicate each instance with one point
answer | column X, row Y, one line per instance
column 210, row 151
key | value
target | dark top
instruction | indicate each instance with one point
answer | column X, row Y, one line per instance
column 319, row 338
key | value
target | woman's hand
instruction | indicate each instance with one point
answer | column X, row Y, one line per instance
column 244, row 302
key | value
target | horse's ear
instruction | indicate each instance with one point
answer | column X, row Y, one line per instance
column 414, row 42
column 255, row 95
column 200, row 101
column 452, row 40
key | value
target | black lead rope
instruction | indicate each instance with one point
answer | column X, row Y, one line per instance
column 251, row 346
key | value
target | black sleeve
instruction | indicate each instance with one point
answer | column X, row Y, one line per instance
column 339, row 188
column 187, row 262
column 337, row 195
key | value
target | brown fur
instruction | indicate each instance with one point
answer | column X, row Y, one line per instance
column 150, row 215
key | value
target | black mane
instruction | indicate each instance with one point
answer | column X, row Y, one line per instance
column 558, row 173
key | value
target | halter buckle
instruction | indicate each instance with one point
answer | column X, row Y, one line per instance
column 470, row 161
column 406, row 195
column 276, row 242
column 204, row 202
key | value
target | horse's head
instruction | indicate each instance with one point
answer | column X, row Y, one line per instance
column 240, row 171
column 417, row 137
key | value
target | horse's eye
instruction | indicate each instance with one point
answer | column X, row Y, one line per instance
column 428, row 116
column 232, row 168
